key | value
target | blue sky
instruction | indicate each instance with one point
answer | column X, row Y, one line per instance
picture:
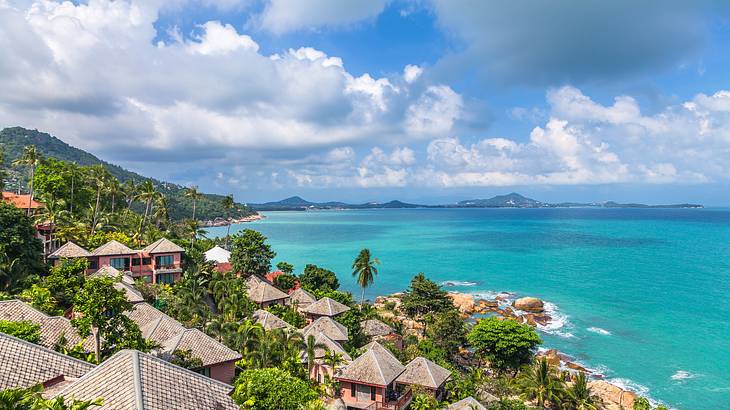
column 428, row 101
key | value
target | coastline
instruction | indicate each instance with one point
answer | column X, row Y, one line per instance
column 224, row 222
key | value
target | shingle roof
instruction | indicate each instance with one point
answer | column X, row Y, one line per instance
column 130, row 292
column 112, row 248
column 423, row 372
column 217, row 254
column 329, row 327
column 202, row 346
column 113, row 273
column 468, row 403
column 162, row 245
column 126, row 283
column 326, row 307
column 261, row 291
column 162, row 329
column 376, row 366
column 21, row 200
column 269, row 320
column 374, row 327
column 131, row 380
column 69, row 250
column 51, row 327
column 25, row 364
column 302, row 298
column 331, row 346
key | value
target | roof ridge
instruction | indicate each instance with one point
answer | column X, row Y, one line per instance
column 37, row 346
column 176, row 367
column 137, row 380
column 428, row 368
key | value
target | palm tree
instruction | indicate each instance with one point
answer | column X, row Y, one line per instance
column 130, row 192
column 100, row 180
column 218, row 327
column 53, row 212
column 227, row 204
column 191, row 228
column 364, row 268
column 247, row 337
column 541, row 383
column 30, row 158
column 579, row 394
column 113, row 189
column 161, row 214
column 193, row 194
column 8, row 270
column 60, row 403
column 267, row 351
column 147, row 194
column 20, row 399
column 310, row 349
column 333, row 359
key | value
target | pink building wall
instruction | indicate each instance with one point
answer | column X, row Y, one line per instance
column 223, row 372
column 362, row 393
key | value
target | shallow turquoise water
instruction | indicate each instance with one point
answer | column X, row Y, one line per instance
column 642, row 294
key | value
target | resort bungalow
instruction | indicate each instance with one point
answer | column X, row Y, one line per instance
column 426, row 374
column 219, row 257
column 334, row 330
column 269, row 321
column 381, row 332
column 301, row 299
column 263, row 293
column 324, row 307
column 369, row 381
column 166, row 257
column 70, row 250
column 321, row 368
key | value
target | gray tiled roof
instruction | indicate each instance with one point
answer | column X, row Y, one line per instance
column 202, row 346
column 468, row 403
column 112, row 248
column 326, row 307
column 51, row 327
column 374, row 327
column 24, row 364
column 261, row 291
column 162, row 245
column 376, row 366
column 269, row 320
column 130, row 292
column 423, row 372
column 302, row 298
column 131, row 380
column 69, row 250
column 125, row 284
column 331, row 346
column 329, row 327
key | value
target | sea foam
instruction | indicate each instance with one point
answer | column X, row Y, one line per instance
column 599, row 330
column 454, row 283
column 683, row 375
column 559, row 324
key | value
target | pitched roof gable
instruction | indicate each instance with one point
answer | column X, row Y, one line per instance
column 202, row 346
column 51, row 327
column 131, row 380
column 326, row 307
column 26, row 364
column 423, row 372
column 334, row 330
column 112, row 248
column 269, row 320
column 374, row 327
column 376, row 366
column 69, row 250
column 302, row 298
column 468, row 403
column 162, row 245
column 261, row 291
column 217, row 254
column 331, row 346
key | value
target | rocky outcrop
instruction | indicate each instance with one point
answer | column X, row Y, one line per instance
column 529, row 304
column 464, row 302
column 612, row 396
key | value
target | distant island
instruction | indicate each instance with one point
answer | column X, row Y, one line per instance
column 512, row 200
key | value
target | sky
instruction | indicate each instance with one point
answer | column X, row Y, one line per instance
column 428, row 101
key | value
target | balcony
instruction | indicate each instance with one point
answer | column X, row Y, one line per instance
column 396, row 403
column 167, row 269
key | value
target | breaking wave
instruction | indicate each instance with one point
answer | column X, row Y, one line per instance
column 455, row 283
column 683, row 375
column 599, row 330
column 559, row 324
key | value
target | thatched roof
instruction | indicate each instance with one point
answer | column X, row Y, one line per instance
column 329, row 327
column 162, row 245
column 260, row 291
column 377, row 366
column 69, row 250
column 374, row 327
column 113, row 248
column 268, row 320
column 326, row 307
column 423, row 372
column 468, row 403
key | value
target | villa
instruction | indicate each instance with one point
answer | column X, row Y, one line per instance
column 159, row 262
column 269, row 321
column 426, row 374
column 324, row 307
column 220, row 258
column 378, row 331
column 265, row 294
column 321, row 368
column 124, row 284
column 328, row 326
column 301, row 299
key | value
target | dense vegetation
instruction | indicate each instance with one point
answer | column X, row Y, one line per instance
column 14, row 140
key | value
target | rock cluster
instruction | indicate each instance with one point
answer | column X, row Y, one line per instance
column 529, row 304
column 612, row 396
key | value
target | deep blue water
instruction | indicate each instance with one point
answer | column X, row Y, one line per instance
column 640, row 294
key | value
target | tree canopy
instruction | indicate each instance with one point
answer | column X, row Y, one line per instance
column 506, row 344
column 425, row 297
column 315, row 278
column 20, row 250
column 250, row 254
column 23, row 329
column 265, row 389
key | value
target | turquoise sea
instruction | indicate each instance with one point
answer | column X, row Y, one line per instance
column 641, row 295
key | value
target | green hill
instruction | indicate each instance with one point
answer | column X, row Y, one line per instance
column 14, row 139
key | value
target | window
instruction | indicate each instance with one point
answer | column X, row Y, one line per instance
column 165, row 260
column 352, row 389
column 205, row 371
column 166, row 278
column 94, row 264
column 135, row 262
column 120, row 263
column 372, row 393
column 146, row 261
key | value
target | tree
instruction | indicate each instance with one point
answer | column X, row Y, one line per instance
column 315, row 278
column 425, row 401
column 448, row 331
column 579, row 394
column 509, row 404
column 227, row 204
column 23, row 329
column 424, row 297
column 310, row 348
column 65, row 280
column 285, row 282
column 3, row 174
column 285, row 267
column 264, row 389
column 333, row 359
column 100, row 180
column 506, row 344
column 642, row 403
column 41, row 299
column 185, row 358
column 542, row 384
column 18, row 243
column 364, row 268
column 31, row 399
column 30, row 158
column 146, row 193
column 101, row 308
column 193, row 194
column 288, row 314
column 250, row 254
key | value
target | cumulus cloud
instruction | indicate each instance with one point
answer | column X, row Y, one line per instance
column 281, row 16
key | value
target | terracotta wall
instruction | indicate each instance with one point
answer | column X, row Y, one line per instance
column 362, row 393
column 223, row 372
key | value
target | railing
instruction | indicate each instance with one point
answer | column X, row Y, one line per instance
column 399, row 404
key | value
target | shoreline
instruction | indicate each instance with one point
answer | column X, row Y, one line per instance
column 225, row 222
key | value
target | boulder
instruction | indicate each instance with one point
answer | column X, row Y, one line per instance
column 463, row 301
column 576, row 366
column 613, row 397
column 529, row 304
column 552, row 357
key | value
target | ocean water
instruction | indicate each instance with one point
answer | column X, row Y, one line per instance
column 641, row 295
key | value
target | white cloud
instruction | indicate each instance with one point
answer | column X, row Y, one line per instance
column 435, row 111
column 281, row 16
column 411, row 73
column 221, row 39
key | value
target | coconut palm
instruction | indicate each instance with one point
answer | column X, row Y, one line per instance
column 541, row 383
column 130, row 192
column 246, row 338
column 30, row 158
column 161, row 214
column 20, row 399
column 227, row 204
column 578, row 396
column 364, row 268
column 310, row 350
column 267, row 351
column 60, row 403
column 113, row 189
column 333, row 359
column 147, row 194
column 193, row 194
column 99, row 177
column 52, row 213
column 8, row 270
